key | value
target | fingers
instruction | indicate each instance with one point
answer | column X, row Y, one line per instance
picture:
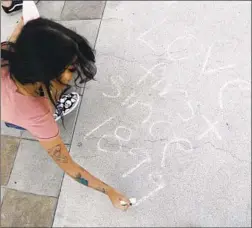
column 119, row 200
column 123, row 207
column 125, row 203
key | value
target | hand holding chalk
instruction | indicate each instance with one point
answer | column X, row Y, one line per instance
column 119, row 200
column 132, row 202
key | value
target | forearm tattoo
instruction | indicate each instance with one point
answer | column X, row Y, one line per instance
column 100, row 189
column 81, row 180
column 56, row 154
column 84, row 181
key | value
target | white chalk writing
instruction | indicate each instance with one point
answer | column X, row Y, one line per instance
column 233, row 82
column 211, row 127
column 146, row 159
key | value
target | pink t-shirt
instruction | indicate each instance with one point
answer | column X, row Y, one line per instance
column 35, row 114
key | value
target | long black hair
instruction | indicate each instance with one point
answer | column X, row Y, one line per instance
column 42, row 52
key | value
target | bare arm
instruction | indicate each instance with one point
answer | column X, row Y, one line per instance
column 59, row 153
column 17, row 31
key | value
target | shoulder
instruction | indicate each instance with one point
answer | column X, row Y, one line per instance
column 42, row 126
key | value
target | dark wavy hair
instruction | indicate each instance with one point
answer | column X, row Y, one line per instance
column 42, row 52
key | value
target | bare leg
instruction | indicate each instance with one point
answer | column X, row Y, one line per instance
column 6, row 3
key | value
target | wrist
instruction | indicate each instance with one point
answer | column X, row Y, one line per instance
column 108, row 190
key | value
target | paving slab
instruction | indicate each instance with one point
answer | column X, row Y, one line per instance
column 51, row 9
column 34, row 171
column 168, row 119
column 10, row 131
column 8, row 24
column 82, row 10
column 21, row 209
column 48, row 9
column 2, row 193
column 86, row 28
column 9, row 148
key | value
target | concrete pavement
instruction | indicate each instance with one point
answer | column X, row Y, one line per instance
column 167, row 121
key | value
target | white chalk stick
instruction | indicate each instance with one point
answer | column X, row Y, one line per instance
column 132, row 201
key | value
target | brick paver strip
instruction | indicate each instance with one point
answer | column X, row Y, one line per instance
column 21, row 209
column 9, row 148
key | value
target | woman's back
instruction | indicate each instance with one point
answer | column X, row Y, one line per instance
column 32, row 113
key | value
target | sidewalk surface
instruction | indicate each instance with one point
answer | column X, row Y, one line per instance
column 167, row 121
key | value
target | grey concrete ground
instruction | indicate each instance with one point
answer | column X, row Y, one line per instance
column 167, row 121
